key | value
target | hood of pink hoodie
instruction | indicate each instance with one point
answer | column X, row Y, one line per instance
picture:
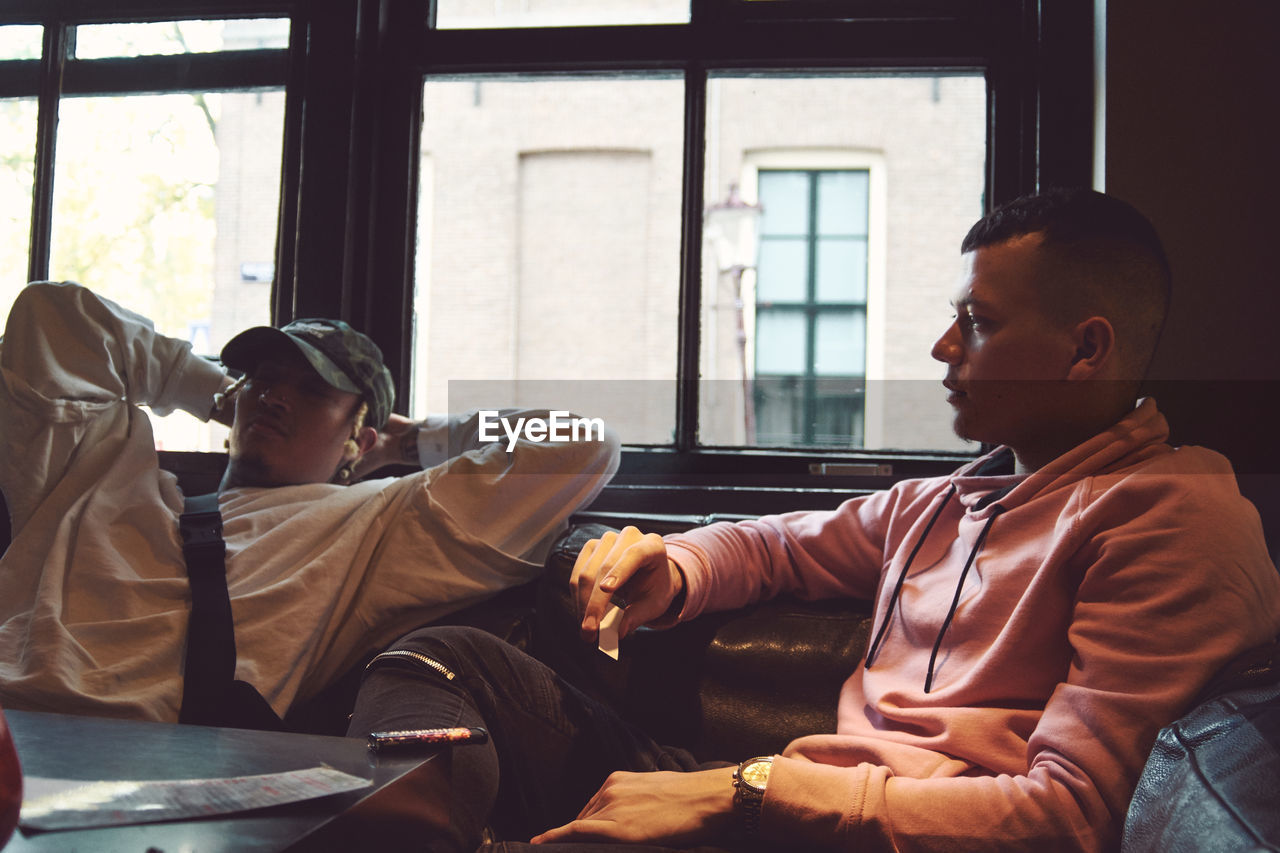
column 988, row 487
column 1137, row 437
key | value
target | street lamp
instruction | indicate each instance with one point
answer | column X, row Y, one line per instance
column 730, row 227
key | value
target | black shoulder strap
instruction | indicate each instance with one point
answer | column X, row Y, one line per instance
column 210, row 694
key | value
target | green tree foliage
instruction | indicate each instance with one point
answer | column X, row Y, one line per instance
column 17, row 167
column 133, row 204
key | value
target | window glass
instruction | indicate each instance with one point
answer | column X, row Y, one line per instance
column 836, row 206
column 163, row 203
column 781, row 339
column 840, row 343
column 787, row 213
column 840, row 201
column 159, row 201
column 17, row 170
column 842, row 270
column 99, row 41
column 475, row 14
column 549, row 246
column 783, row 270
column 21, row 41
column 166, row 203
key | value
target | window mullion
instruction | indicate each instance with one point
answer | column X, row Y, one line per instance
column 689, row 341
column 225, row 70
column 52, row 63
column 809, row 405
column 283, row 290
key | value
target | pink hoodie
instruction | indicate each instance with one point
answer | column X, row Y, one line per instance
column 1105, row 590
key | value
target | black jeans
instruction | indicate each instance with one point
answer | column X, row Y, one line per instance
column 550, row 745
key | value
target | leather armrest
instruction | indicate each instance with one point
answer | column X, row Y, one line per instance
column 725, row 685
column 1210, row 782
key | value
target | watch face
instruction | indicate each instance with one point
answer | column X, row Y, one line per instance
column 756, row 774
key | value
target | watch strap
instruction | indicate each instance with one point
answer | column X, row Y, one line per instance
column 748, row 799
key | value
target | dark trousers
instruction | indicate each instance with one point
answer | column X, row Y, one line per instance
column 550, row 745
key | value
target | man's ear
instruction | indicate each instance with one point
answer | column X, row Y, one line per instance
column 1095, row 342
column 360, row 443
column 365, row 438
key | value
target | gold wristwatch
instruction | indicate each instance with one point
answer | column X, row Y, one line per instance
column 749, row 782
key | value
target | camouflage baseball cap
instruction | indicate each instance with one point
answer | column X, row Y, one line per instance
column 345, row 358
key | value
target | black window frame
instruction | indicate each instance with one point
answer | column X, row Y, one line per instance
column 1037, row 57
column 58, row 73
column 353, row 77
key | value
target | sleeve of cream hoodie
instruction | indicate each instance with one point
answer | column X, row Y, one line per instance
column 71, row 357
column 516, row 494
column 1173, row 581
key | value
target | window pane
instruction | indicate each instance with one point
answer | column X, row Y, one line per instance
column 17, row 170
column 784, row 199
column 783, row 270
column 840, row 344
column 842, row 202
column 809, row 412
column 98, row 41
column 21, row 41
column 549, row 244
column 162, row 203
column 778, row 410
column 838, row 416
column 842, row 270
column 780, row 342
column 893, row 169
column 476, row 14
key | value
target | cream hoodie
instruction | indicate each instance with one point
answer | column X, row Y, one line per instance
column 1104, row 591
column 93, row 589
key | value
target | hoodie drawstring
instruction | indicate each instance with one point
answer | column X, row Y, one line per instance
column 874, row 649
column 955, row 602
column 902, row 577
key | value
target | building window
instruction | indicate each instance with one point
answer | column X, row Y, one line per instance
column 811, row 309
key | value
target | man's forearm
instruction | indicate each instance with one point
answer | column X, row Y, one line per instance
column 408, row 446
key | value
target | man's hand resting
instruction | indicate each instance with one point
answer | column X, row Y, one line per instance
column 676, row 809
column 397, row 444
column 631, row 563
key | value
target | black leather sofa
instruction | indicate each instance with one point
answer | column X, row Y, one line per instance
column 747, row 682
column 743, row 682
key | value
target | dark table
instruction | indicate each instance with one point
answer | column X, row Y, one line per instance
column 406, row 808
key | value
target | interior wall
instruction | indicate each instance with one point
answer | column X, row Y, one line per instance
column 1191, row 100
column 1191, row 97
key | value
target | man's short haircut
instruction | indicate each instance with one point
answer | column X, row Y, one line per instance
column 1109, row 256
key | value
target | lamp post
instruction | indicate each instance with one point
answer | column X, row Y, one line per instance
column 730, row 226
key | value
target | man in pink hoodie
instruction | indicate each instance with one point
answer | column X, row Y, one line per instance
column 1040, row 613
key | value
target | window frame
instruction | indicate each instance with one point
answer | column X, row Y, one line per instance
column 1036, row 55
column 57, row 74
column 347, row 224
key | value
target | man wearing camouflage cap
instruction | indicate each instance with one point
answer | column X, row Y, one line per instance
column 322, row 566
column 337, row 364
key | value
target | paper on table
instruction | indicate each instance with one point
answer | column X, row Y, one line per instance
column 75, row 804
column 609, row 631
